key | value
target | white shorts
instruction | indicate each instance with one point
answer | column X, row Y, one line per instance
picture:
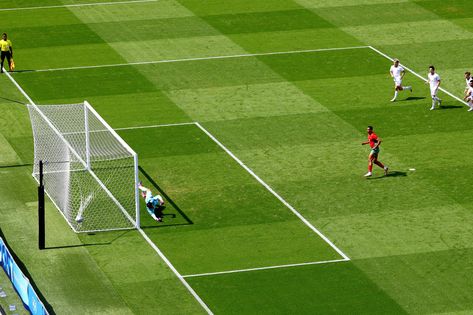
column 433, row 92
column 397, row 81
column 148, row 196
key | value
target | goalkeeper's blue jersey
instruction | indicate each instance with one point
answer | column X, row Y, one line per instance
column 154, row 200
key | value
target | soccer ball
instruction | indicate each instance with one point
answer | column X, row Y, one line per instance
column 79, row 219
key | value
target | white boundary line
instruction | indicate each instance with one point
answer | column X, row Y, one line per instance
column 181, row 278
column 77, row 5
column 416, row 74
column 264, row 268
column 145, row 236
column 198, row 58
column 275, row 194
column 157, row 126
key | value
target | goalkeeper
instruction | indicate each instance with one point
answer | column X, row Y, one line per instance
column 154, row 204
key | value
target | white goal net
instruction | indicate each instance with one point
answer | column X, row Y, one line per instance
column 90, row 173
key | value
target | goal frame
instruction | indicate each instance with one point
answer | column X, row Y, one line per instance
column 88, row 109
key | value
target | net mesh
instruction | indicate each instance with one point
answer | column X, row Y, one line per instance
column 88, row 173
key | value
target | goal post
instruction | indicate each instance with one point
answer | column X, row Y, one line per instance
column 90, row 172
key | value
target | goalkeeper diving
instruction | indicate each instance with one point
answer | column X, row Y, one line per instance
column 154, row 204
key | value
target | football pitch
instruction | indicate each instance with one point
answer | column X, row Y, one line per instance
column 247, row 117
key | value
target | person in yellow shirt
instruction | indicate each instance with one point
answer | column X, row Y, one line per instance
column 6, row 48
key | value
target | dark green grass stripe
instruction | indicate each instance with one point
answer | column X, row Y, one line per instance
column 29, row 3
column 373, row 14
column 339, row 288
column 448, row 10
column 55, row 35
column 216, row 7
column 442, row 281
column 83, row 83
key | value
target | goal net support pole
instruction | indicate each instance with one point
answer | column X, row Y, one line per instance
column 41, row 214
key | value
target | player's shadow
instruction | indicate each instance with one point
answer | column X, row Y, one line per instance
column 390, row 174
column 24, row 70
column 413, row 98
column 450, row 107
column 169, row 200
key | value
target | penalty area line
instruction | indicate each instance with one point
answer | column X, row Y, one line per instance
column 417, row 75
column 76, row 5
column 274, row 193
column 264, row 268
column 198, row 59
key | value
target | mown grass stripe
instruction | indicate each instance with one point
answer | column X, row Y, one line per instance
column 199, row 58
column 77, row 5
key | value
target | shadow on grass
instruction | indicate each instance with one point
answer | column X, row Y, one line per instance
column 450, row 107
column 15, row 165
column 170, row 201
column 25, row 70
column 12, row 100
column 390, row 174
column 413, row 98
column 90, row 244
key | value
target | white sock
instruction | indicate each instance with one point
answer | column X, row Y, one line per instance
column 433, row 102
column 408, row 88
column 395, row 94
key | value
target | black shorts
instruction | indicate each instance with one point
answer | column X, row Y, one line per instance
column 6, row 54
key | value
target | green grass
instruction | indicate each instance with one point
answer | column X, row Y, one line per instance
column 296, row 120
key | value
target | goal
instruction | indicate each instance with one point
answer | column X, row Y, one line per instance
column 90, row 173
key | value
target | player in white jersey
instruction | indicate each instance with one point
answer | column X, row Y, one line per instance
column 397, row 73
column 434, row 82
column 467, row 80
column 469, row 95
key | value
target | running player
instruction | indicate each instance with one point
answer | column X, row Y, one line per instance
column 467, row 80
column 154, row 204
column 469, row 95
column 374, row 143
column 397, row 73
column 434, row 82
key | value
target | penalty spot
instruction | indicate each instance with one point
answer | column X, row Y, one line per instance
column 412, row 169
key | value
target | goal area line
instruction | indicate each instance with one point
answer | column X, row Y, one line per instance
column 265, row 268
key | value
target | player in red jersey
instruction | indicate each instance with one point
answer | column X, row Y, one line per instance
column 374, row 143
